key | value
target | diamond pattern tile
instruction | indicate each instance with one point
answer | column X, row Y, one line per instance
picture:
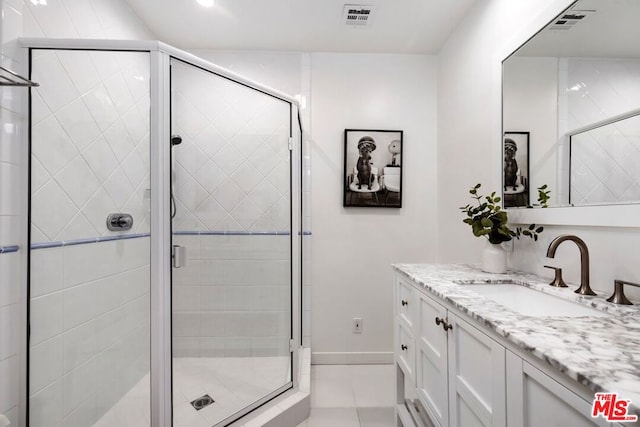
column 78, row 181
column 229, row 195
column 605, row 161
column 95, row 144
column 246, row 213
column 210, row 212
column 119, row 139
column 247, row 176
column 56, row 149
column 51, row 209
column 228, row 159
column 210, row 176
column 78, row 124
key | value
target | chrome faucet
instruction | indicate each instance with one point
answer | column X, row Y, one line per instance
column 584, row 288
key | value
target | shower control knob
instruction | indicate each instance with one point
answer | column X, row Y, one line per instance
column 119, row 222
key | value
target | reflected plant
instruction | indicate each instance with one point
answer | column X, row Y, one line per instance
column 489, row 220
column 543, row 196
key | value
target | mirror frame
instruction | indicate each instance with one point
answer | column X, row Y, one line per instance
column 598, row 216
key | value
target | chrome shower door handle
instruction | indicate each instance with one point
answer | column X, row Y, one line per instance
column 179, row 256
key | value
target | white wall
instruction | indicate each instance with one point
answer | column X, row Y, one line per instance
column 469, row 122
column 469, row 91
column 354, row 247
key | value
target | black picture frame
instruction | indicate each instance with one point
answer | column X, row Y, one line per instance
column 515, row 169
column 375, row 158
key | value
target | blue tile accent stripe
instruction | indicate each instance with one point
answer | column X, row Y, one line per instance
column 9, row 248
column 232, row 233
column 46, row 245
column 237, row 233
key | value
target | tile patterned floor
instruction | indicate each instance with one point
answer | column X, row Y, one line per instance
column 352, row 396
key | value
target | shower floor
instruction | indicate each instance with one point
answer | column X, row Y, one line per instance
column 232, row 382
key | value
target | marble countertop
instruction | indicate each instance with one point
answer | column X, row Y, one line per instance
column 602, row 353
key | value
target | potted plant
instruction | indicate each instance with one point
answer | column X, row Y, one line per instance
column 487, row 219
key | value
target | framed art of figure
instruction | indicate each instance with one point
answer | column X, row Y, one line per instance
column 515, row 170
column 373, row 168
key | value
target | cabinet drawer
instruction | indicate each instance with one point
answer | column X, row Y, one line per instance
column 406, row 351
column 405, row 302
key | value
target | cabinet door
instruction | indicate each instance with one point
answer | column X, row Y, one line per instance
column 432, row 360
column 536, row 399
column 476, row 378
column 405, row 352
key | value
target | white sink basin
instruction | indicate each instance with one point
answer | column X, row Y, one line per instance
column 531, row 302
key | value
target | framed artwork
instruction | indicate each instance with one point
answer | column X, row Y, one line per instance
column 373, row 168
column 515, row 169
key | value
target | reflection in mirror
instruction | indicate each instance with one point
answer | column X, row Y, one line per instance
column 605, row 166
column 575, row 87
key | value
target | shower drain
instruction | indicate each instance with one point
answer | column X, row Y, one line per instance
column 202, row 402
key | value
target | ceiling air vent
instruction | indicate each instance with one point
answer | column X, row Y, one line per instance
column 569, row 19
column 357, row 15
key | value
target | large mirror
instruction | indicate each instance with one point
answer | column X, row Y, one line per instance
column 571, row 109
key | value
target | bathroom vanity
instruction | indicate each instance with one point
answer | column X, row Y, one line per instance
column 480, row 349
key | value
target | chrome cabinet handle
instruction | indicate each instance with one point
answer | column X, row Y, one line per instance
column 404, row 302
column 403, row 347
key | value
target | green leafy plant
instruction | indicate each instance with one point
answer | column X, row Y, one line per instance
column 543, row 196
column 487, row 219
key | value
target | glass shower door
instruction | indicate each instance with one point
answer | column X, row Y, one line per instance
column 89, row 279
column 231, row 232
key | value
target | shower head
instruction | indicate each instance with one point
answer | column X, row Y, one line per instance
column 176, row 140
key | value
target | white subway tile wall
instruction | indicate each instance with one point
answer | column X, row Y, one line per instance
column 234, row 296
column 89, row 329
column 594, row 90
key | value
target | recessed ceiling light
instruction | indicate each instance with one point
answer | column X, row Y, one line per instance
column 206, row 3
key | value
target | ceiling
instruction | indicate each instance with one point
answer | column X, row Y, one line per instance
column 397, row 26
column 611, row 30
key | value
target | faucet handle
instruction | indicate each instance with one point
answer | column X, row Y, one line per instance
column 558, row 282
column 618, row 296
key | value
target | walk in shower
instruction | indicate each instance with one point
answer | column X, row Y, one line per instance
column 165, row 238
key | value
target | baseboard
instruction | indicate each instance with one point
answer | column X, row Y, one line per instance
column 352, row 358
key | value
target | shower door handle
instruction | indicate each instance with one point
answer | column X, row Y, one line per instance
column 179, row 256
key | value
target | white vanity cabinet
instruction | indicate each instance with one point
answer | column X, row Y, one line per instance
column 535, row 399
column 464, row 377
column 458, row 371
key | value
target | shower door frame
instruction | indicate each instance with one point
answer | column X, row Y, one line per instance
column 160, row 55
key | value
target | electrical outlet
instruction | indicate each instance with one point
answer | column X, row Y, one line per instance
column 357, row 325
